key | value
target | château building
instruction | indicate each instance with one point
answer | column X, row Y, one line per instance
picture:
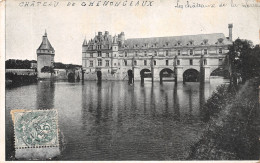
column 157, row 57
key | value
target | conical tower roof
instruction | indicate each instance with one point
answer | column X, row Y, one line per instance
column 85, row 42
column 45, row 45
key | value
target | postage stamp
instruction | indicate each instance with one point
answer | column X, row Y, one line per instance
column 35, row 128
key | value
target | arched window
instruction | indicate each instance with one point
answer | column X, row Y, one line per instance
column 205, row 61
column 178, row 62
column 191, row 62
column 135, row 63
column 155, row 53
column 145, row 62
column 179, row 52
column 220, row 50
column 205, row 51
column 166, row 52
column 145, row 53
column 191, row 51
column 154, row 63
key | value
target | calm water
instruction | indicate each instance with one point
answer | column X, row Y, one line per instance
column 116, row 121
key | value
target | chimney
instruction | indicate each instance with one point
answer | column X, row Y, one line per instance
column 99, row 33
column 230, row 26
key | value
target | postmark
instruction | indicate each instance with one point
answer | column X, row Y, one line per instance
column 35, row 128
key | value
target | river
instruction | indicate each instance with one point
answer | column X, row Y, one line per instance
column 117, row 121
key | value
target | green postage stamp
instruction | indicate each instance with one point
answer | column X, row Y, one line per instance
column 35, row 128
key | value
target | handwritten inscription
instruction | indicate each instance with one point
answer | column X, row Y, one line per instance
column 179, row 4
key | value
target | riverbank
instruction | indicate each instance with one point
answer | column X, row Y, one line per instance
column 14, row 80
column 233, row 126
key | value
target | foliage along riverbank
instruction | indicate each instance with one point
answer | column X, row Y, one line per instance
column 234, row 125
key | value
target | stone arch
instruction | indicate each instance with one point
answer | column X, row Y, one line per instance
column 71, row 77
column 145, row 73
column 191, row 75
column 219, row 71
column 166, row 73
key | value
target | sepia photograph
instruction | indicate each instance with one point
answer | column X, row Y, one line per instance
column 132, row 80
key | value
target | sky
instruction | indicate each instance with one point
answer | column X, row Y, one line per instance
column 67, row 26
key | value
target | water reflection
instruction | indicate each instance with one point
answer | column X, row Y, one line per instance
column 116, row 121
column 45, row 95
column 176, row 103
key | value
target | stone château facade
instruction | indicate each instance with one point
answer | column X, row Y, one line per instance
column 175, row 56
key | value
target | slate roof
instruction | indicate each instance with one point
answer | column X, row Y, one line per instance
column 45, row 45
column 172, row 41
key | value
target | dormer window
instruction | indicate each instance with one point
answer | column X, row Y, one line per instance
column 205, row 41
column 167, row 43
column 136, row 45
column 166, row 52
column 205, row 51
column 155, row 53
column 135, row 63
column 191, row 42
column 191, row 51
column 179, row 52
column 220, row 40
column 99, row 54
column 220, row 51
column 146, row 45
column 179, row 43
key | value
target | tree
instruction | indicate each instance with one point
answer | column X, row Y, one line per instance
column 240, row 59
column 47, row 69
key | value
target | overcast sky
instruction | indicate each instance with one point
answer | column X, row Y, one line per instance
column 68, row 26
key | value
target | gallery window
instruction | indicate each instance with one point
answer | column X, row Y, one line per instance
column 107, row 63
column 205, row 51
column 90, row 63
column 145, row 62
column 154, row 63
column 155, row 53
column 191, row 51
column 191, row 62
column 167, row 62
column 135, row 63
column 166, row 52
column 178, row 62
column 100, row 62
column 91, row 55
column 99, row 54
column 205, row 62
column 179, row 52
column 220, row 50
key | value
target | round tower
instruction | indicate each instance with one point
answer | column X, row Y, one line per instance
column 45, row 58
